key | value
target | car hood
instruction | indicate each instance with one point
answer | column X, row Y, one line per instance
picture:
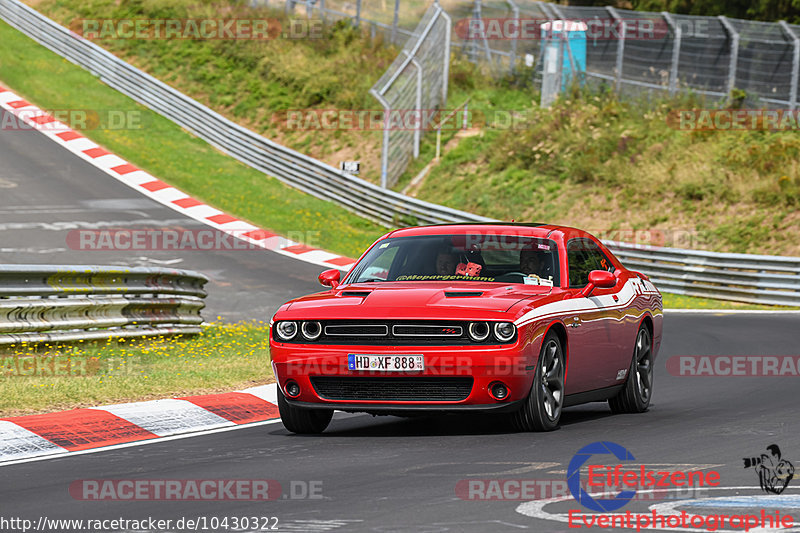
column 412, row 300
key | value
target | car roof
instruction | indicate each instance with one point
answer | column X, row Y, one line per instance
column 519, row 228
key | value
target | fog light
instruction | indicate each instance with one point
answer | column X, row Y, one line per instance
column 498, row 390
column 292, row 389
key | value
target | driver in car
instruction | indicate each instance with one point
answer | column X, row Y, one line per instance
column 530, row 262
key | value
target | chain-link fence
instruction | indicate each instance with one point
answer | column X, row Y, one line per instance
column 631, row 52
column 412, row 90
column 636, row 51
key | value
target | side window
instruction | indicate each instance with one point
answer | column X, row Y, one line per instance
column 583, row 256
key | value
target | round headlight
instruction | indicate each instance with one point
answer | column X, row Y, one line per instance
column 311, row 330
column 478, row 331
column 504, row 331
column 286, row 330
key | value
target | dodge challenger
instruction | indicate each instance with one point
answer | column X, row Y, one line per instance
column 519, row 319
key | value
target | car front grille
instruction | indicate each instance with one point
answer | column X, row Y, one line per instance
column 426, row 389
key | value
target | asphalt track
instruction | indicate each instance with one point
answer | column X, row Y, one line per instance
column 374, row 474
column 45, row 192
column 388, row 474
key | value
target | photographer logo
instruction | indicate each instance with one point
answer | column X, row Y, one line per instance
column 774, row 473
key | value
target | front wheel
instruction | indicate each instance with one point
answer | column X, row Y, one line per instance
column 638, row 389
column 300, row 420
column 541, row 410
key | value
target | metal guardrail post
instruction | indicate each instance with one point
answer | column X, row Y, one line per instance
column 795, row 63
column 358, row 13
column 676, row 51
column 620, row 46
column 734, row 62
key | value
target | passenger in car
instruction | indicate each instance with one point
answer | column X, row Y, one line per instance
column 446, row 262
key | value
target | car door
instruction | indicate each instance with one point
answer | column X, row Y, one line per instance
column 593, row 357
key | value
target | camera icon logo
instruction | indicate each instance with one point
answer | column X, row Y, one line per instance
column 774, row 472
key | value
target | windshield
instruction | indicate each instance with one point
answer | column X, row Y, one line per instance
column 490, row 257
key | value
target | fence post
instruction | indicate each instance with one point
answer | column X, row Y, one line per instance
column 620, row 46
column 322, row 11
column 473, row 42
column 676, row 52
column 395, row 20
column 512, row 61
column 418, row 104
column 565, row 37
column 795, row 63
column 446, row 72
column 734, row 35
column 385, row 146
column 358, row 13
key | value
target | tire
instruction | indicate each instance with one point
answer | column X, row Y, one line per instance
column 541, row 410
column 303, row 421
column 638, row 389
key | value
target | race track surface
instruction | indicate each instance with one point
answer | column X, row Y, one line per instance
column 389, row 474
column 45, row 191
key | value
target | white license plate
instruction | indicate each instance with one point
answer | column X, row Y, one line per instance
column 386, row 363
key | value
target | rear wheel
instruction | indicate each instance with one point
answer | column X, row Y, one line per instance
column 638, row 389
column 300, row 420
column 541, row 410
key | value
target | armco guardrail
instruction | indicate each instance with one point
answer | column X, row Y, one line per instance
column 301, row 172
column 42, row 303
column 762, row 279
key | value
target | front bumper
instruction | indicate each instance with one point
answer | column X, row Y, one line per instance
column 486, row 364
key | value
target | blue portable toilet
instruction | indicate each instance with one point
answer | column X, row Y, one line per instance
column 572, row 33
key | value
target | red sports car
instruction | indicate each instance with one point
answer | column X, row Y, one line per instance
column 517, row 318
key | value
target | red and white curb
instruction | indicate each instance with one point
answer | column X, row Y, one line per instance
column 146, row 184
column 33, row 436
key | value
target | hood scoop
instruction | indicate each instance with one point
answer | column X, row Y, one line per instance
column 462, row 294
column 362, row 294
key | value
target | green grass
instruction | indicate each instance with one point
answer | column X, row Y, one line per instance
column 679, row 301
column 52, row 378
column 170, row 153
column 591, row 161
column 608, row 166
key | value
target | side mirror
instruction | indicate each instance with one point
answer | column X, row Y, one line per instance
column 598, row 278
column 330, row 278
